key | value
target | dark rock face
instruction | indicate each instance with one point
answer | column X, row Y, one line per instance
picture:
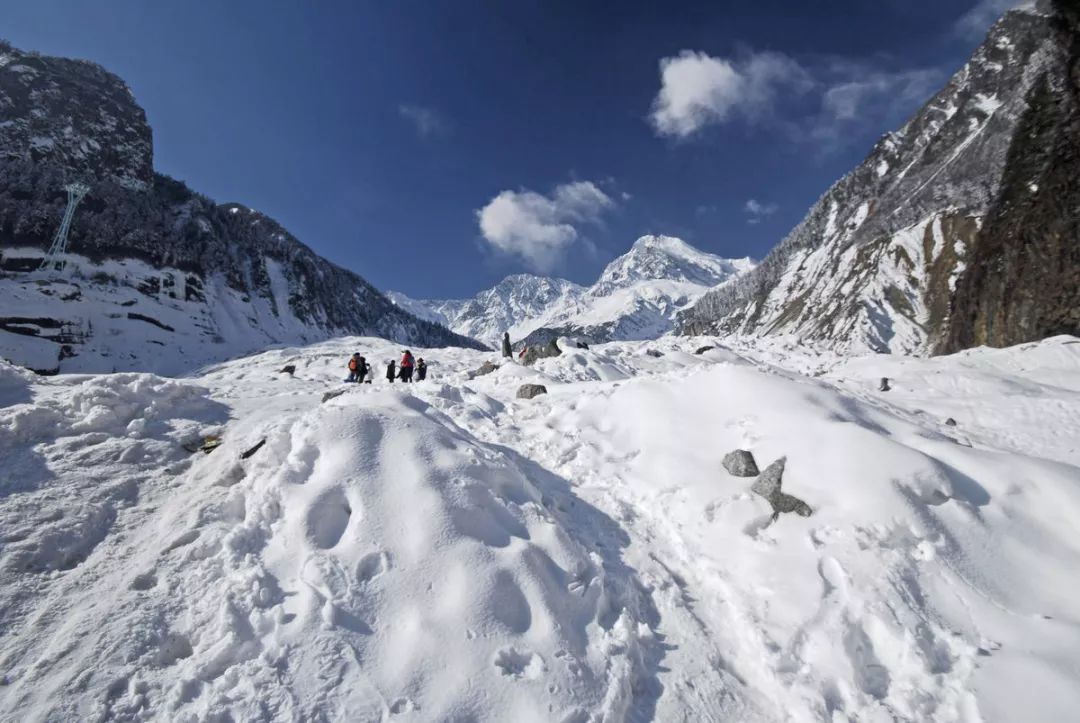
column 740, row 463
column 958, row 229
column 1023, row 277
column 66, row 120
column 84, row 119
column 528, row 391
column 541, row 351
column 703, row 349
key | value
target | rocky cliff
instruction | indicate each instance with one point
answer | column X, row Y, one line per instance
column 244, row 280
column 902, row 254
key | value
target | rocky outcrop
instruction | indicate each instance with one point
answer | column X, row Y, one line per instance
column 1022, row 281
column 947, row 234
column 541, row 351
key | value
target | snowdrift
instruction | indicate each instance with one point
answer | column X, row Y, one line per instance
column 445, row 551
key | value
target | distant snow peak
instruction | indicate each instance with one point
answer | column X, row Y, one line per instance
column 636, row 297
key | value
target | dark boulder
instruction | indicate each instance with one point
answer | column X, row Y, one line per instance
column 541, row 351
column 740, row 463
column 768, row 485
column 528, row 391
column 485, row 368
column 703, row 349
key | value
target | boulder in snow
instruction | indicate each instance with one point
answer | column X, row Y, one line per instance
column 528, row 391
column 541, row 351
column 768, row 486
column 330, row 395
column 703, row 349
column 485, row 368
column 654, row 353
column 740, row 463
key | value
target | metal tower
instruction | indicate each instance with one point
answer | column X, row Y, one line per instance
column 56, row 257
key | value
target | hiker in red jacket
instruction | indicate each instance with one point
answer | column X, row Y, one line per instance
column 407, row 366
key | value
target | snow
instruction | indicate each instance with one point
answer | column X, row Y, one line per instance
column 637, row 296
column 445, row 551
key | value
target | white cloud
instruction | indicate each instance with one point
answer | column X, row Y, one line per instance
column 697, row 89
column 426, row 121
column 847, row 99
column 976, row 21
column 540, row 229
column 758, row 210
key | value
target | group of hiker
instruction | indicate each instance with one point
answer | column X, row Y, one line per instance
column 360, row 370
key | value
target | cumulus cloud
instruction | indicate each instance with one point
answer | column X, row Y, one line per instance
column 818, row 102
column 756, row 210
column 540, row 229
column 697, row 89
column 976, row 21
column 426, row 121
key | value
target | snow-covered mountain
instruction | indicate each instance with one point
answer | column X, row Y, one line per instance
column 637, row 296
column 507, row 306
column 160, row 278
column 958, row 229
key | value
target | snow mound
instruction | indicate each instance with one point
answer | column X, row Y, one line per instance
column 445, row 551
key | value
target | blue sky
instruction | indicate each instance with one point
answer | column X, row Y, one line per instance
column 434, row 147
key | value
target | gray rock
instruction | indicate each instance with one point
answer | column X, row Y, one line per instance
column 541, row 351
column 703, row 349
column 740, row 463
column 950, row 422
column 330, row 395
column 654, row 353
column 768, row 485
column 528, row 391
column 289, row 369
column 485, row 368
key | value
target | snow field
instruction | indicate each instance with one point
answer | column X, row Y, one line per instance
column 445, row 551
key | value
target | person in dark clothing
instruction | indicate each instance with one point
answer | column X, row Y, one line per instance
column 390, row 372
column 407, row 363
column 365, row 372
column 356, row 368
column 421, row 369
column 507, row 350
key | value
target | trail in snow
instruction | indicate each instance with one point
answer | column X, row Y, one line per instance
column 446, row 551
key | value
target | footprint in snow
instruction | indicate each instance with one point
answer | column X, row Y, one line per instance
column 516, row 664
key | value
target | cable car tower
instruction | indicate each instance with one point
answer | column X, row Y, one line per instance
column 56, row 258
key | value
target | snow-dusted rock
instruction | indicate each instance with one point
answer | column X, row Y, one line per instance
column 541, row 351
column 528, row 391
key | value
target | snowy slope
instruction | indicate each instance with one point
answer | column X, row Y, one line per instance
column 637, row 296
column 876, row 263
column 446, row 551
column 153, row 262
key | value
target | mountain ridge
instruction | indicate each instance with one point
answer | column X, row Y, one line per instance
column 228, row 279
column 875, row 264
column 636, row 296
